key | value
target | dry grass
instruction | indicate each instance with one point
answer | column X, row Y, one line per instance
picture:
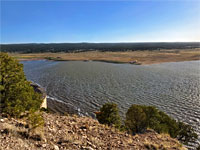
column 72, row 132
column 142, row 57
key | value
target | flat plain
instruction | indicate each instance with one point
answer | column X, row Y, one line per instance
column 134, row 57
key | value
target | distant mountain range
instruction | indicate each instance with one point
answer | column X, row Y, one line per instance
column 79, row 47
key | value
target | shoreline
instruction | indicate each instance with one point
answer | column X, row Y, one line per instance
column 52, row 104
column 106, row 61
column 128, row 57
column 112, row 62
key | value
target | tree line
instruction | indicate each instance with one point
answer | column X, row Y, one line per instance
column 79, row 47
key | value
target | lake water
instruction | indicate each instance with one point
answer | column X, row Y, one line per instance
column 172, row 87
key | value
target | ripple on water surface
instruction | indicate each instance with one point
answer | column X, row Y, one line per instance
column 172, row 87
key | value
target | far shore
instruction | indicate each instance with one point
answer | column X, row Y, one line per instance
column 131, row 57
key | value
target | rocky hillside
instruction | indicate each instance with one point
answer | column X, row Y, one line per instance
column 73, row 132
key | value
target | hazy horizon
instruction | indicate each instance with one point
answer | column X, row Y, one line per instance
column 97, row 42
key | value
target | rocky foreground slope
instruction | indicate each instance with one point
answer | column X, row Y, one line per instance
column 72, row 132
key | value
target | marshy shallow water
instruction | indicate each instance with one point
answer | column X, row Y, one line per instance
column 84, row 86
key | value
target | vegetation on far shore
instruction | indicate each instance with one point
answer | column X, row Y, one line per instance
column 132, row 57
column 103, row 47
column 134, row 53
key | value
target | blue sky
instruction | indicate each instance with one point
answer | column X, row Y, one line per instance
column 100, row 21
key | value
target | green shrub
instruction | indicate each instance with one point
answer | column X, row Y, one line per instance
column 136, row 119
column 17, row 95
column 109, row 114
column 35, row 120
column 139, row 117
column 186, row 133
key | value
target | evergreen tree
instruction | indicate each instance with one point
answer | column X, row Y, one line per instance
column 136, row 119
column 109, row 114
column 17, row 95
column 141, row 117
